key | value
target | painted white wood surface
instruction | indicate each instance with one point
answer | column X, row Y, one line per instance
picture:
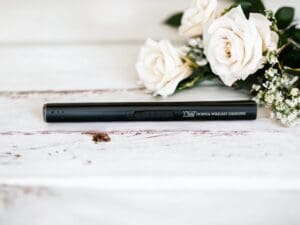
column 150, row 173
column 69, row 21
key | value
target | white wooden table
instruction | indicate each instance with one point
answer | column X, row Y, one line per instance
column 150, row 173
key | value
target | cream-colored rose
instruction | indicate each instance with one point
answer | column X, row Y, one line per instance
column 235, row 46
column 197, row 16
column 160, row 67
column 270, row 38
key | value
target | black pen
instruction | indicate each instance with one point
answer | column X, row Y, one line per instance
column 149, row 111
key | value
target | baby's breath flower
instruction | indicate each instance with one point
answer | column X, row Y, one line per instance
column 193, row 42
column 271, row 72
column 272, row 57
column 279, row 96
column 277, row 93
column 291, row 102
column 256, row 87
column 201, row 62
column 194, row 51
column 270, row 16
column 294, row 92
column 269, row 98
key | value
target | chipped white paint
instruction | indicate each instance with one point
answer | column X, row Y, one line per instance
column 150, row 173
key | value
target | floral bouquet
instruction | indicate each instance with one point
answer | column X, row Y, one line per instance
column 245, row 46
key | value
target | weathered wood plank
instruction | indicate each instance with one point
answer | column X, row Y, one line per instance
column 68, row 67
column 23, row 110
column 60, row 74
column 60, row 21
column 71, row 68
column 90, row 206
column 143, row 152
column 189, row 149
column 250, row 148
column 88, row 21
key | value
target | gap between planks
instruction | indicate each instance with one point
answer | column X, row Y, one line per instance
column 13, row 94
column 79, row 43
column 133, row 132
column 151, row 183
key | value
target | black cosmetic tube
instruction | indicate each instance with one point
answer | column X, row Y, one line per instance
column 149, row 111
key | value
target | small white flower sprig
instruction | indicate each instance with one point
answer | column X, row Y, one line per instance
column 245, row 46
column 279, row 91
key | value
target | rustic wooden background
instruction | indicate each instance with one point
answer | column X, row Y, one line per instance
column 150, row 173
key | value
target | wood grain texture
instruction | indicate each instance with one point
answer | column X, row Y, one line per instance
column 95, row 207
column 80, row 21
column 68, row 67
column 187, row 148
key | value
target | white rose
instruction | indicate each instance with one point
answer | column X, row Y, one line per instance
column 160, row 67
column 270, row 38
column 235, row 46
column 197, row 16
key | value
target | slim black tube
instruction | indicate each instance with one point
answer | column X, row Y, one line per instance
column 149, row 111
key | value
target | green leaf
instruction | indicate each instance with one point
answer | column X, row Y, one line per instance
column 290, row 56
column 296, row 36
column 199, row 75
column 174, row 20
column 247, row 84
column 226, row 10
column 285, row 17
column 292, row 71
column 286, row 34
column 291, row 33
column 190, row 82
column 250, row 6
